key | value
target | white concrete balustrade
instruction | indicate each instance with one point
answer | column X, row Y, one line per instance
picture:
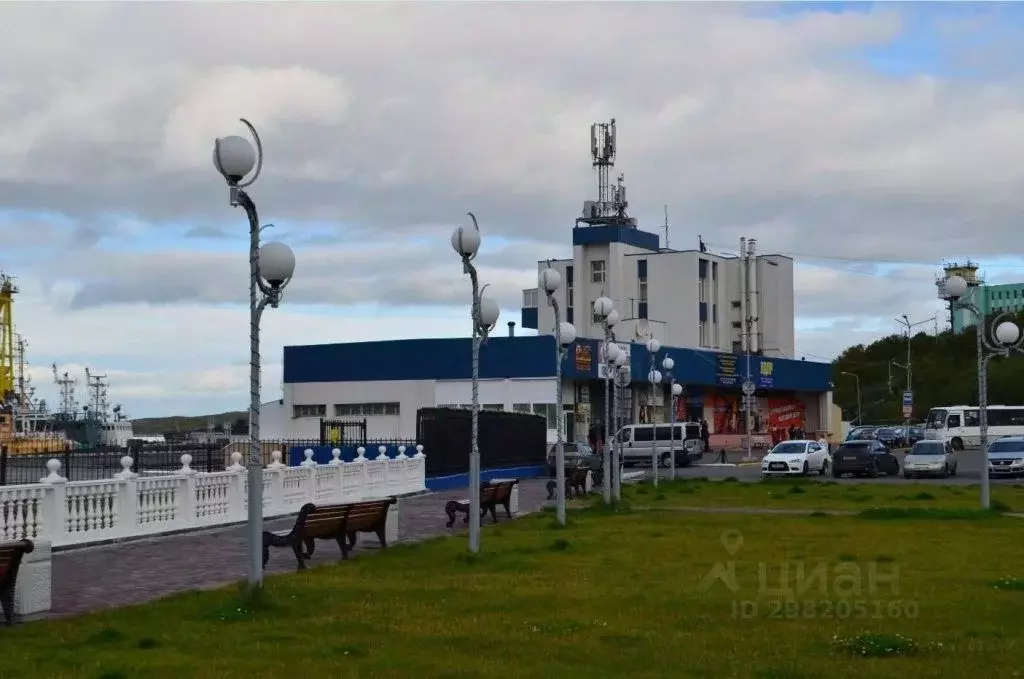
column 80, row 512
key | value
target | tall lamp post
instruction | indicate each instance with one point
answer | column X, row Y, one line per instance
column 666, row 366
column 654, row 378
column 860, row 418
column 604, row 309
column 565, row 334
column 997, row 338
column 270, row 270
column 484, row 314
column 623, row 377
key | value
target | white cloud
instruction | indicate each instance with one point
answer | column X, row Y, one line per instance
column 385, row 122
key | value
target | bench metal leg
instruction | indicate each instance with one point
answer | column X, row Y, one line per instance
column 297, row 548
column 310, row 547
column 7, row 603
column 343, row 546
column 451, row 509
column 507, row 504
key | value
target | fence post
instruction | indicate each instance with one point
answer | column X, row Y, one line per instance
column 127, row 498
column 187, row 501
column 55, row 511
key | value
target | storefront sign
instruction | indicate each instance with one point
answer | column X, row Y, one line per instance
column 727, row 373
column 765, row 376
column 584, row 358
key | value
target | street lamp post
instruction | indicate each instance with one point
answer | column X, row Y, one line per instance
column 654, row 377
column 997, row 338
column 623, row 377
column 484, row 314
column 666, row 365
column 860, row 419
column 604, row 309
column 565, row 334
column 271, row 268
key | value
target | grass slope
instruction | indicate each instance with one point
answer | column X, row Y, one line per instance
column 152, row 426
column 611, row 595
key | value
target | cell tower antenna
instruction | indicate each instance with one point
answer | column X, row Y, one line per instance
column 610, row 207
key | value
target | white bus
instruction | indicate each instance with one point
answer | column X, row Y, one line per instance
column 959, row 424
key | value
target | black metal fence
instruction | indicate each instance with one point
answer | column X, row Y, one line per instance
column 95, row 463
column 506, row 439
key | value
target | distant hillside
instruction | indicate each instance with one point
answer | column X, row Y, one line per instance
column 152, row 426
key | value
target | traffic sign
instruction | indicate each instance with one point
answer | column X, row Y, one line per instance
column 749, row 388
column 908, row 400
column 908, row 411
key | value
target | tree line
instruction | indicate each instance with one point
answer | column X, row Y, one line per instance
column 943, row 372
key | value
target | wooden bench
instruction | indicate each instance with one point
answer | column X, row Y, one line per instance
column 575, row 483
column 11, row 554
column 491, row 495
column 338, row 522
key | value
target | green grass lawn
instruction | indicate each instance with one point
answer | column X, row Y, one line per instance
column 612, row 595
column 812, row 494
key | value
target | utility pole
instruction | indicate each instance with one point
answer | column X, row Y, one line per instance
column 749, row 388
column 908, row 394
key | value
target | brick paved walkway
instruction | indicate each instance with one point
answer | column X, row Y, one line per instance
column 109, row 576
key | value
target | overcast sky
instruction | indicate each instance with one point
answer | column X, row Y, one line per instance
column 868, row 141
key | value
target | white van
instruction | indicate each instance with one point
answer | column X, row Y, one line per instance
column 686, row 443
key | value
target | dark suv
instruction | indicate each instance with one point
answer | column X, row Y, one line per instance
column 861, row 458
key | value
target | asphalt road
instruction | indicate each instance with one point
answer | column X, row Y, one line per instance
column 968, row 472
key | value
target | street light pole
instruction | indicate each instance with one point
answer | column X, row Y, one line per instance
column 271, row 268
column 484, row 313
column 667, row 364
column 623, row 376
column 998, row 338
column 654, row 378
column 905, row 322
column 565, row 334
column 604, row 309
column 860, row 419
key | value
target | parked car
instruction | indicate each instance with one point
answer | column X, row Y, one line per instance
column 890, row 436
column 930, row 458
column 796, row 457
column 577, row 454
column 915, row 434
column 685, row 442
column 866, row 457
column 861, row 433
column 1006, row 457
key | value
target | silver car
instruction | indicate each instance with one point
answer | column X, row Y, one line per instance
column 576, row 455
column 1006, row 457
column 930, row 458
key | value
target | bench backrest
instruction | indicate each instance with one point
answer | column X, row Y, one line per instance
column 320, row 521
column 10, row 556
column 368, row 514
column 502, row 491
column 488, row 493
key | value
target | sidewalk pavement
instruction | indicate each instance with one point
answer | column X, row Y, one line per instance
column 110, row 576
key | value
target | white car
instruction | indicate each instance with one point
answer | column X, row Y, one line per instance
column 796, row 458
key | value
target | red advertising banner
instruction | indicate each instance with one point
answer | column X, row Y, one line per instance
column 785, row 413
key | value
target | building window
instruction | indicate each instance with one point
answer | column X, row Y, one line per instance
column 641, row 269
column 366, row 409
column 309, row 411
column 714, row 271
column 642, row 310
column 597, row 271
column 499, row 407
column 702, row 268
column 568, row 275
column 735, row 304
column 530, row 299
column 568, row 314
column 547, row 411
column 570, row 297
column 522, row 408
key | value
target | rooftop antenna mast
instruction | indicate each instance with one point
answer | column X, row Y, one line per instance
column 666, row 227
column 24, row 381
column 68, row 400
column 610, row 207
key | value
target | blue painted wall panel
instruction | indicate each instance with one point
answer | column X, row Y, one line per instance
column 532, row 357
column 602, row 235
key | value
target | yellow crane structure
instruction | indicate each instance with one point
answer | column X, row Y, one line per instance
column 8, row 289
